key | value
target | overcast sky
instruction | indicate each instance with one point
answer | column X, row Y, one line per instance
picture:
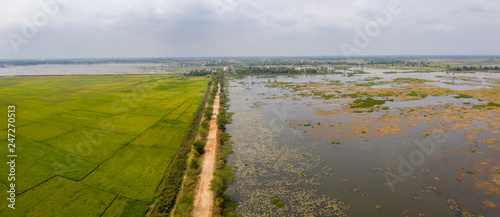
column 197, row 28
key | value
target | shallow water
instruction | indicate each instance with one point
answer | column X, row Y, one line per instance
column 85, row 69
column 312, row 176
column 432, row 100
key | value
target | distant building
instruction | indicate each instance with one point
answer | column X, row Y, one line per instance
column 208, row 76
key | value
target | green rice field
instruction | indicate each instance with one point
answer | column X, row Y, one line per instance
column 94, row 145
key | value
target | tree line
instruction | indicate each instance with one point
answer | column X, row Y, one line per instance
column 202, row 72
column 275, row 70
column 473, row 68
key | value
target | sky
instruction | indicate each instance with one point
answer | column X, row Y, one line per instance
column 208, row 28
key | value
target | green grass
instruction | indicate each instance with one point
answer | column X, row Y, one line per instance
column 89, row 142
column 410, row 80
column 37, row 163
column 43, row 130
column 366, row 103
column 386, row 94
column 122, row 123
column 351, row 95
column 126, row 207
column 135, row 171
column 60, row 197
column 421, row 95
column 81, row 143
column 461, row 95
column 277, row 202
column 490, row 104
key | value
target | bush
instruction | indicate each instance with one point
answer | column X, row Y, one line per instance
column 199, row 146
column 222, row 178
column 208, row 112
column 205, row 124
column 277, row 202
column 211, row 100
column 185, row 206
column 280, row 204
column 204, row 133
column 194, row 164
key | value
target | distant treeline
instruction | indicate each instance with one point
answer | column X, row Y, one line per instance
column 27, row 62
column 202, row 72
column 473, row 68
column 275, row 70
column 398, row 62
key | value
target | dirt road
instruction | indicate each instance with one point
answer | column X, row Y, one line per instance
column 203, row 202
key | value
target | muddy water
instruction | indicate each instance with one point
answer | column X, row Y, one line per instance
column 285, row 149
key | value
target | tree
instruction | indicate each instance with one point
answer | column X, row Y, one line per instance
column 200, row 146
column 208, row 112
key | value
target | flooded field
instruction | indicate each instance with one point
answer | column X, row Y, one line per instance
column 393, row 144
column 88, row 69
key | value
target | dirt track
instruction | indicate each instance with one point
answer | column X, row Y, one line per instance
column 203, row 202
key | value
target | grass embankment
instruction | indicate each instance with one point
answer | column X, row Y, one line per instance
column 184, row 204
column 223, row 206
column 174, row 180
column 95, row 145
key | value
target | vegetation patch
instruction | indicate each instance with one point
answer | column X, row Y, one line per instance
column 199, row 146
column 415, row 94
column 490, row 104
column 351, row 95
column 461, row 95
column 410, row 80
column 277, row 202
column 367, row 103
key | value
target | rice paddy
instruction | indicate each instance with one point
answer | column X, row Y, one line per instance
column 95, row 145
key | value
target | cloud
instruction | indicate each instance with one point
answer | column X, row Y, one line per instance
column 258, row 27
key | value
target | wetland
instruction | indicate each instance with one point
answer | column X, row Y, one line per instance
column 373, row 144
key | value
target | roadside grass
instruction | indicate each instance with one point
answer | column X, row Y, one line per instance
column 54, row 112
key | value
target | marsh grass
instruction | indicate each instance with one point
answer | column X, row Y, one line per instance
column 367, row 103
column 461, row 95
